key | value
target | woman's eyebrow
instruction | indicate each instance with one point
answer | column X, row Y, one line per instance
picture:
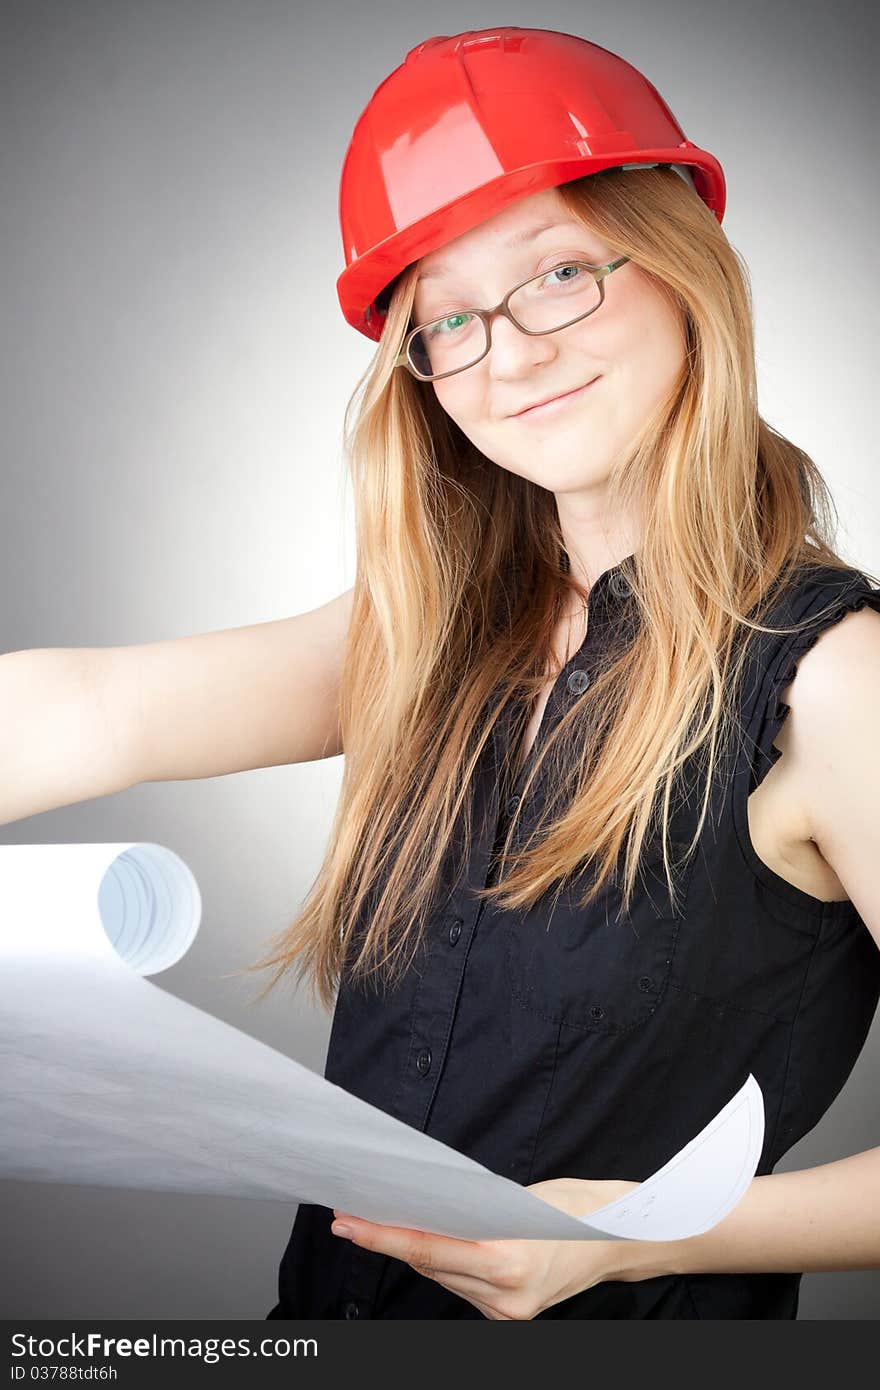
column 517, row 239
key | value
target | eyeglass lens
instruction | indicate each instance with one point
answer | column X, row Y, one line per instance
column 542, row 305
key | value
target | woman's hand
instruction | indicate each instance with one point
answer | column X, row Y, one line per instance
column 506, row 1278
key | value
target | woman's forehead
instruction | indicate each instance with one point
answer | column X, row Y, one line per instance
column 515, row 226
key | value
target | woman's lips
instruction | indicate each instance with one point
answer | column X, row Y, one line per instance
column 537, row 412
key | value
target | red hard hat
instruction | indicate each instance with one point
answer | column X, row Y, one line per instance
column 469, row 123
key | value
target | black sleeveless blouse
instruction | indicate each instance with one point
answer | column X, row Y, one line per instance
column 595, row 1049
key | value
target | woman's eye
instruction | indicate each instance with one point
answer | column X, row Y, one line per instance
column 567, row 273
column 444, row 327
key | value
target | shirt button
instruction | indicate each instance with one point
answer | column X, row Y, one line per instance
column 511, row 804
column 455, row 931
column 423, row 1061
column 578, row 681
column 351, row 1309
column 619, row 585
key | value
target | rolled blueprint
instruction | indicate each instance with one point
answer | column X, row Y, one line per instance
column 107, row 1080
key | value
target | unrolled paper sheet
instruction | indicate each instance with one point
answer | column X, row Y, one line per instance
column 108, row 1080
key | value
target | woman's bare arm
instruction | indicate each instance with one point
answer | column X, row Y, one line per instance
column 77, row 723
column 56, row 744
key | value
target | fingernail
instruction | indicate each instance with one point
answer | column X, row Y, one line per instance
column 339, row 1228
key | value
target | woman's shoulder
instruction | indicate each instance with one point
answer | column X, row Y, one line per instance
column 828, row 741
column 802, row 706
column 832, row 666
column 811, row 582
column 822, row 611
column 836, row 657
column 811, row 602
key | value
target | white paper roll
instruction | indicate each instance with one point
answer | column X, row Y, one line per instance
column 109, row 1081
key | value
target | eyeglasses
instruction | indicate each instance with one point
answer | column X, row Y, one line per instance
column 536, row 306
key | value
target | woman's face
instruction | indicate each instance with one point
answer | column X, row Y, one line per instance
column 633, row 344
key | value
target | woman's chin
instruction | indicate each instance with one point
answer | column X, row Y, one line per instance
column 572, row 473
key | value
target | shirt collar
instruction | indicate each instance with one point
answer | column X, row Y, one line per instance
column 611, row 590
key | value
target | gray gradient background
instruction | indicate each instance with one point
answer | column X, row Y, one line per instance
column 174, row 376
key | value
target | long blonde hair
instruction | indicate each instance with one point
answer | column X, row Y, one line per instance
column 461, row 582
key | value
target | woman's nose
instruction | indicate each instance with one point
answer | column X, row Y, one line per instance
column 513, row 352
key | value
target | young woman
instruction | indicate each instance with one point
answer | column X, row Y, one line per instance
column 607, row 836
column 585, row 874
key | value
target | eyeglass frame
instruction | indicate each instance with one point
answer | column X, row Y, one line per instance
column 599, row 273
